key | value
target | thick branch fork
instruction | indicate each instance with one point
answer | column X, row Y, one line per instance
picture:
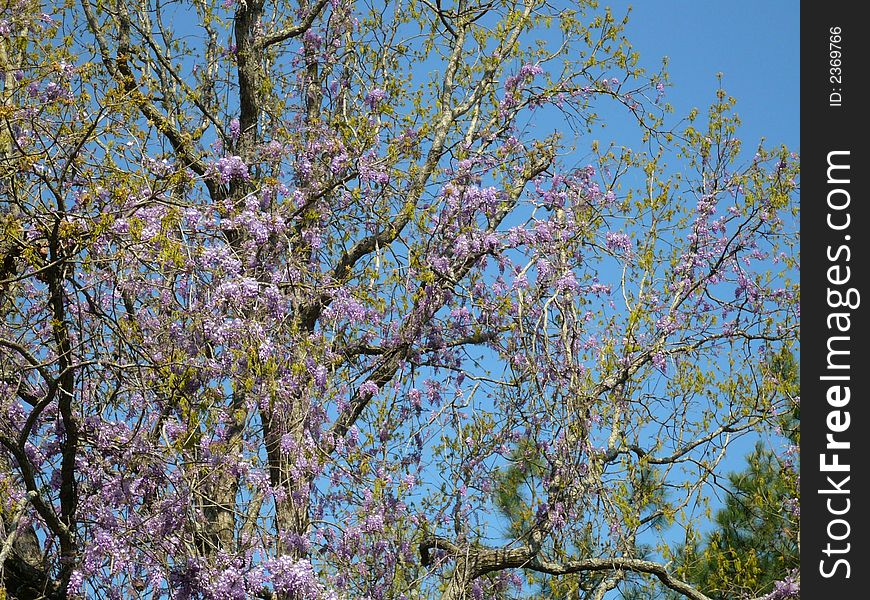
column 473, row 560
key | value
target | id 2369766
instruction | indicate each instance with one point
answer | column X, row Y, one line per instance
column 835, row 66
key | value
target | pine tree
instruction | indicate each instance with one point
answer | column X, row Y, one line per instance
column 756, row 539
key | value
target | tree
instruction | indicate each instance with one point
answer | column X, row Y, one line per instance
column 285, row 286
column 755, row 545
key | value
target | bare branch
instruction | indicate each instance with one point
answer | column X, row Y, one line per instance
column 294, row 31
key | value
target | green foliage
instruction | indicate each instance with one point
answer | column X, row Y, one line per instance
column 755, row 539
column 310, row 282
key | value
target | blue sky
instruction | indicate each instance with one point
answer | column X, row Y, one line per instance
column 756, row 45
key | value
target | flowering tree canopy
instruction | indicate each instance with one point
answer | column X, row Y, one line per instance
column 288, row 289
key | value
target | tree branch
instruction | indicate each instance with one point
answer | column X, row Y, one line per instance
column 479, row 560
column 295, row 31
column 636, row 565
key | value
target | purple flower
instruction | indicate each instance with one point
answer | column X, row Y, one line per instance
column 528, row 70
column 320, row 373
column 369, row 388
column 371, row 170
column 229, row 168
column 52, row 92
column 294, row 577
column 658, row 359
column 312, row 39
column 287, row 443
column 619, row 242
column 793, row 506
column 345, row 307
column 567, row 283
column 374, row 98
column 66, row 69
column 527, row 73
column 599, row 288
column 373, row 523
column 787, row 589
column 273, row 151
column 235, row 130
column 545, row 268
column 339, row 163
column 120, row 226
column 76, row 582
